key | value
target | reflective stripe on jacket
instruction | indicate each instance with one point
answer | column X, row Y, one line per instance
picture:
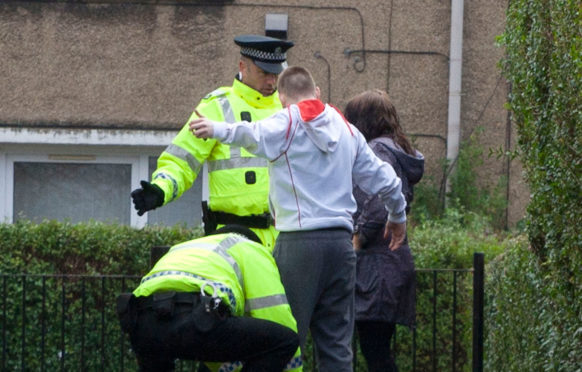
column 238, row 181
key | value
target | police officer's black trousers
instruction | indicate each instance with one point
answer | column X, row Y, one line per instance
column 261, row 345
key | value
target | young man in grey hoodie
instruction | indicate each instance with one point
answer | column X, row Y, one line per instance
column 315, row 158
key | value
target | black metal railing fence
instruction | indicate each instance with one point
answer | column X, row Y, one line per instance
column 68, row 323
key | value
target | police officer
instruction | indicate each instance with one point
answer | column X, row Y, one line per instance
column 191, row 306
column 238, row 182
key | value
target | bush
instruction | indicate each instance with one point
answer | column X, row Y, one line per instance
column 470, row 194
column 92, row 248
column 446, row 243
column 427, row 203
column 77, row 313
column 467, row 193
column 68, row 321
column 543, row 63
column 528, row 326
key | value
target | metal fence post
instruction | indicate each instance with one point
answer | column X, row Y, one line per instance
column 478, row 294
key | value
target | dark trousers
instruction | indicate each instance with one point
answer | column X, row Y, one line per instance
column 261, row 345
column 375, row 339
column 318, row 271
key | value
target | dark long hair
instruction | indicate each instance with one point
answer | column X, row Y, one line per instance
column 374, row 115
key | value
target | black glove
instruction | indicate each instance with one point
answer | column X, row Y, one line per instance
column 148, row 197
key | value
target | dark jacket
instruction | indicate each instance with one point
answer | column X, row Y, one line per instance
column 386, row 281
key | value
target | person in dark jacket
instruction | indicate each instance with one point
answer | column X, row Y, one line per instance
column 385, row 279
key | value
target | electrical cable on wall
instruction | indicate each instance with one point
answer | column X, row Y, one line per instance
column 319, row 56
column 349, row 52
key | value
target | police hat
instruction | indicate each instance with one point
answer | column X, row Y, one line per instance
column 267, row 52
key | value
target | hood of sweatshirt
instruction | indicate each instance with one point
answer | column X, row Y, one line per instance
column 412, row 165
column 320, row 123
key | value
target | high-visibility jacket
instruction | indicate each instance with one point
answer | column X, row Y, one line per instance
column 242, row 273
column 237, row 180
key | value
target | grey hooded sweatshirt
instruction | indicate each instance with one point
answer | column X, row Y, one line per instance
column 315, row 159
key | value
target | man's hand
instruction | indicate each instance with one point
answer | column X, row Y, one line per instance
column 398, row 231
column 202, row 128
column 147, row 197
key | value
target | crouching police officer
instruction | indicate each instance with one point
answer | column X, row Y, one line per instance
column 191, row 306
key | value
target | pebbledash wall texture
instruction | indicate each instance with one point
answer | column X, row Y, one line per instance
column 138, row 65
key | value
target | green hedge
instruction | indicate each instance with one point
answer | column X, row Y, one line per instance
column 92, row 248
column 528, row 325
column 544, row 65
column 95, row 248
column 69, row 322
column 447, row 243
column 543, row 284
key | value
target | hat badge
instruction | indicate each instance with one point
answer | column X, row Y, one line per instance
column 278, row 50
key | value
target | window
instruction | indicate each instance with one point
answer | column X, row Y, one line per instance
column 71, row 191
column 82, row 183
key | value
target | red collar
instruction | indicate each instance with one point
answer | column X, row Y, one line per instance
column 310, row 109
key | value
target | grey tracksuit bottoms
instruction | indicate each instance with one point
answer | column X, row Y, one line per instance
column 318, row 270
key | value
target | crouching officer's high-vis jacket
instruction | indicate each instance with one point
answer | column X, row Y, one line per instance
column 238, row 183
column 242, row 273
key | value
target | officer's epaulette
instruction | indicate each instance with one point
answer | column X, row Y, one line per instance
column 214, row 94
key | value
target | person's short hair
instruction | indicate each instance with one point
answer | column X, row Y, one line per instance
column 237, row 229
column 296, row 82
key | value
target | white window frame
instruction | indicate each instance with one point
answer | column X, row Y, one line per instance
column 78, row 146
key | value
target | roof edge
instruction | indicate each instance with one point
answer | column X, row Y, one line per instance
column 84, row 136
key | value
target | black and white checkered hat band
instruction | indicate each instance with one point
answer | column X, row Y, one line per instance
column 263, row 56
